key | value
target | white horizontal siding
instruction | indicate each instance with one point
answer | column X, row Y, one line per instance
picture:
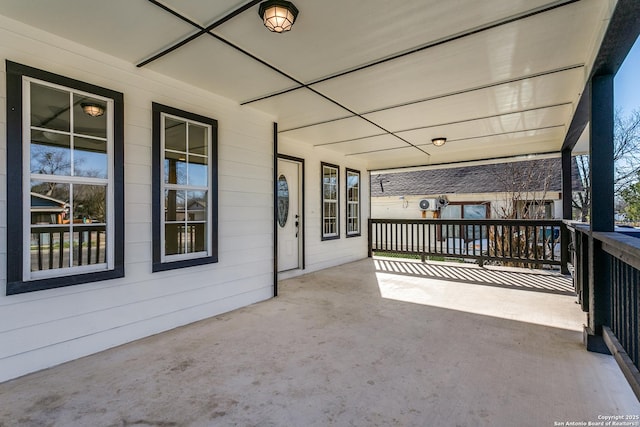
column 82, row 346
column 41, row 329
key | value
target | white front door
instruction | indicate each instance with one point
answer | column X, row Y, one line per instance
column 289, row 215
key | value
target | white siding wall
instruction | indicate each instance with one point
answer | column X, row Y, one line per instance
column 323, row 254
column 41, row 329
column 407, row 207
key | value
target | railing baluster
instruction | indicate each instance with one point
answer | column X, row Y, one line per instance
column 61, row 248
column 510, row 240
column 635, row 354
column 98, row 246
column 50, row 250
column 89, row 242
column 80, row 243
column 39, row 239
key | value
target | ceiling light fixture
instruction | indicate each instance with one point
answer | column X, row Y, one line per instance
column 91, row 109
column 439, row 142
column 278, row 16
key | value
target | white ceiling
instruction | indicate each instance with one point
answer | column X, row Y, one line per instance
column 372, row 79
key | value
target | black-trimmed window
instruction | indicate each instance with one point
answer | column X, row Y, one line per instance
column 353, row 203
column 65, row 181
column 330, row 201
column 185, row 189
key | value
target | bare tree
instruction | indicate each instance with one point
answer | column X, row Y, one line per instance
column 525, row 186
column 626, row 157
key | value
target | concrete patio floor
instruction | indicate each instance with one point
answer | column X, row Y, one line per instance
column 373, row 343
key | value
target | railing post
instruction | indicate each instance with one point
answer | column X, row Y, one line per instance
column 602, row 198
column 583, row 270
column 370, row 238
column 564, row 248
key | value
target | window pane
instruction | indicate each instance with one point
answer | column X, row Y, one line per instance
column 174, row 205
column 328, row 207
column 89, row 204
column 175, row 135
column 196, row 212
column 89, row 244
column 89, row 116
column 329, row 226
column 283, row 200
column 174, row 239
column 90, row 157
column 198, row 140
column 49, row 202
column 50, row 153
column 195, row 238
column 49, row 108
column 49, row 243
column 198, row 171
column 451, row 211
column 49, row 248
column 197, row 206
column 175, row 168
column 475, row 211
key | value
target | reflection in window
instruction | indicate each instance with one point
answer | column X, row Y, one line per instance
column 184, row 215
column 69, row 181
column 329, row 201
column 283, row 201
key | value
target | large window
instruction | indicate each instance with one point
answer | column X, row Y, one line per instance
column 65, row 181
column 330, row 203
column 353, row 203
column 185, row 189
column 465, row 210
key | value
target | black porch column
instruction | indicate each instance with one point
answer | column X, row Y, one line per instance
column 567, row 208
column 602, row 219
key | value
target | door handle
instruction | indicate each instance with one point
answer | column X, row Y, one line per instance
column 297, row 224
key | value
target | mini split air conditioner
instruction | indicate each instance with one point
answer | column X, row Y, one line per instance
column 428, row 204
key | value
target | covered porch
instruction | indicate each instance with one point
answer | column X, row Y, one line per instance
column 370, row 342
column 379, row 341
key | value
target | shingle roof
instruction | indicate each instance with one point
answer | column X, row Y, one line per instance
column 527, row 175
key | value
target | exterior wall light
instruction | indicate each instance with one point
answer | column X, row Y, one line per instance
column 93, row 110
column 278, row 16
column 439, row 142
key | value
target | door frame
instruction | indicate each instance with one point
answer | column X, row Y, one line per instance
column 301, row 190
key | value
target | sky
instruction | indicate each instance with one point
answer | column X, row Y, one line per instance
column 627, row 82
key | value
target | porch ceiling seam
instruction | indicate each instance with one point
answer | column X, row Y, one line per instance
column 464, row 139
column 282, row 73
column 446, row 95
column 524, row 110
column 486, row 160
column 449, row 39
column 202, row 30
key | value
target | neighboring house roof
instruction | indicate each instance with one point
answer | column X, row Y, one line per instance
column 494, row 178
column 42, row 203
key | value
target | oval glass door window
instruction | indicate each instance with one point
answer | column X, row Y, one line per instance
column 283, row 201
